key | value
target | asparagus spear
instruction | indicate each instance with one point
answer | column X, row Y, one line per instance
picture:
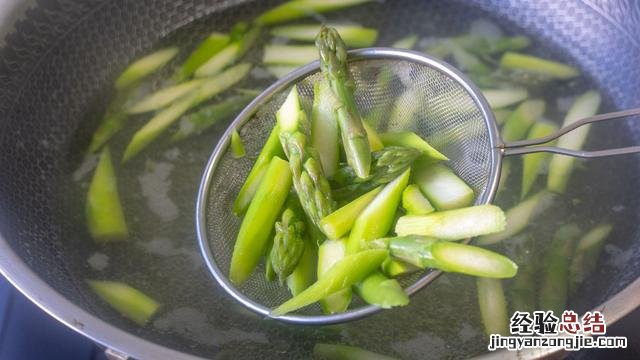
column 239, row 45
column 105, row 217
column 519, row 122
column 129, row 302
column 344, row 273
column 324, row 128
column 586, row 255
column 532, row 163
column 340, row 222
column 412, row 140
column 164, row 97
column 112, row 121
column 344, row 352
column 145, row 66
column 500, row 98
column 237, row 147
column 308, row 178
column 387, row 164
column 211, row 87
column 553, row 291
column 377, row 218
column 296, row 9
column 375, row 142
column 271, row 149
column 393, row 267
column 377, row 289
column 289, row 55
column 333, row 62
column 444, row 189
column 212, row 45
column 197, row 122
column 288, row 242
column 305, row 272
column 560, row 166
column 536, row 65
column 262, row 213
column 519, row 217
column 414, row 202
column 455, row 224
column 523, row 289
column 493, row 306
column 355, row 36
column 329, row 253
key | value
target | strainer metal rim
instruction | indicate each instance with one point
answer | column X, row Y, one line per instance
column 246, row 114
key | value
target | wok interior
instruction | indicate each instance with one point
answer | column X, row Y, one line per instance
column 57, row 73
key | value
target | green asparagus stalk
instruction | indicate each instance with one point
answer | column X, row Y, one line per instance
column 340, row 222
column 344, row 273
column 333, row 62
column 444, row 189
column 393, row 267
column 532, row 163
column 112, row 121
column 304, row 273
column 387, row 165
column 289, row 55
column 229, row 54
column 344, row 352
column 355, row 36
column 560, row 167
column 501, row 98
column 237, row 147
column 377, row 218
column 308, row 178
column 586, row 255
column 164, row 97
column 519, row 217
column 523, row 289
column 262, row 213
column 129, row 302
column 455, row 224
column 525, row 115
column 269, row 273
column 377, row 289
column 212, row 45
column 297, row 9
column 408, row 42
column 105, row 218
column 324, row 128
column 197, row 122
column 289, row 241
column 536, row 65
column 555, row 279
column 414, row 202
column 484, row 46
column 271, row 149
column 161, row 121
column 329, row 253
column 493, row 306
column 412, row 140
column 145, row 66
column 375, row 142
column 467, row 61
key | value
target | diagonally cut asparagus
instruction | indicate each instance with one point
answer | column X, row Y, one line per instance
column 213, row 44
column 544, row 67
column 355, row 36
column 493, row 306
column 500, row 98
column 296, row 9
column 290, row 55
column 518, row 123
column 412, row 140
column 414, row 202
column 130, row 302
column 444, row 189
column 145, row 66
column 237, row 147
column 163, row 97
column 586, row 255
column 379, row 290
column 329, row 253
column 532, row 163
column 340, row 222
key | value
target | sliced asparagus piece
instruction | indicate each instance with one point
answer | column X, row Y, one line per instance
column 237, row 147
column 523, row 292
column 529, row 63
column 262, row 213
column 444, row 189
column 324, row 128
column 532, row 163
column 145, row 66
column 500, row 98
column 229, row 54
column 412, row 140
column 355, row 36
column 377, row 218
column 105, row 218
column 455, row 224
column 377, row 289
column 393, row 267
column 290, row 55
column 129, row 302
column 518, row 123
column 305, row 272
column 329, row 253
column 212, row 45
column 560, row 167
column 161, row 121
column 555, row 279
column 333, row 63
column 344, row 352
column 586, row 255
column 340, row 222
column 408, row 42
column 164, row 97
column 297, row 9
column 271, row 149
column 414, row 202
column 344, row 273
column 374, row 138
column 113, row 120
column 493, row 306
column 519, row 217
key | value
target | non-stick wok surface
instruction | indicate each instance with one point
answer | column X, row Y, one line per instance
column 56, row 74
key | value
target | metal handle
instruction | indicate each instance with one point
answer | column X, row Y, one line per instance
column 526, row 146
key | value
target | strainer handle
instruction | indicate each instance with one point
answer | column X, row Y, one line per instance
column 527, row 146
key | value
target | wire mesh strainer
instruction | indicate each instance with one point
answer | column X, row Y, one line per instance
column 444, row 108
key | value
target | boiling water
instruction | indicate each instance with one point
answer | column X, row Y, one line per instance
column 161, row 258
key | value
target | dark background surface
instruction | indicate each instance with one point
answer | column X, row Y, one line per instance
column 28, row 333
